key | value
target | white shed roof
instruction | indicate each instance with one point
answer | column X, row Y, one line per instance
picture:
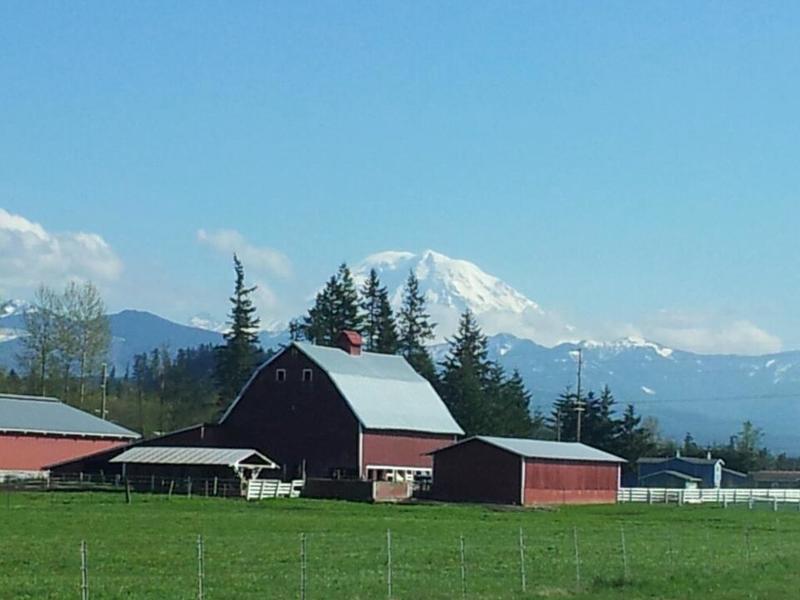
column 177, row 455
column 383, row 390
column 545, row 449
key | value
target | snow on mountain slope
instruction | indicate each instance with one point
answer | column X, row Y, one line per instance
column 452, row 285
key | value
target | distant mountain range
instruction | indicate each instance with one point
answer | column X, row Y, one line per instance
column 707, row 395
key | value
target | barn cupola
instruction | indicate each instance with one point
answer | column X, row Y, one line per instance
column 350, row 342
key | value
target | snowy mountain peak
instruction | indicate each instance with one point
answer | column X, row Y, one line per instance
column 627, row 343
column 445, row 281
column 452, row 285
column 13, row 307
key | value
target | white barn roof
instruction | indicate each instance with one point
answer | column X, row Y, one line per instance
column 45, row 415
column 382, row 390
column 544, row 449
column 179, row 455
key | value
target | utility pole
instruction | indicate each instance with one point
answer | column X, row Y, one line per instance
column 558, row 425
column 104, row 387
column 579, row 405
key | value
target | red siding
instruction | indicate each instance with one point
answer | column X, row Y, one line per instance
column 570, row 482
column 33, row 452
column 397, row 449
column 477, row 472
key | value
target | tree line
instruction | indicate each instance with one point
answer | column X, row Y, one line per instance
column 68, row 338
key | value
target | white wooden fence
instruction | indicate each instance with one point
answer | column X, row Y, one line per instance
column 700, row 495
column 259, row 489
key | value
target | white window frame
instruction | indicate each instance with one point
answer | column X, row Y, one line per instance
column 307, row 376
column 280, row 375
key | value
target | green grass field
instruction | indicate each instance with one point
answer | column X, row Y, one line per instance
column 148, row 549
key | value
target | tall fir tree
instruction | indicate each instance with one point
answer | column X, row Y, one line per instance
column 415, row 329
column 600, row 427
column 336, row 308
column 379, row 331
column 633, row 439
column 509, row 405
column 563, row 418
column 238, row 356
column 466, row 376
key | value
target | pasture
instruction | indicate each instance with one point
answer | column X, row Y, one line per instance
column 148, row 549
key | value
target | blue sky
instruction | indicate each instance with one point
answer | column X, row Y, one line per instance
column 629, row 165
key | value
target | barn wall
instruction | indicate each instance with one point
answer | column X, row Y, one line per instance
column 570, row 482
column 295, row 421
column 477, row 472
column 33, row 452
column 398, row 449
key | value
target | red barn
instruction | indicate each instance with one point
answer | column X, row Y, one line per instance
column 37, row 431
column 340, row 412
column 525, row 472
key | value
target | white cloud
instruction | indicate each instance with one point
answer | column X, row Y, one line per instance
column 707, row 333
column 30, row 255
column 256, row 258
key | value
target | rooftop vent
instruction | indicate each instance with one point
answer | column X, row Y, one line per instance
column 350, row 342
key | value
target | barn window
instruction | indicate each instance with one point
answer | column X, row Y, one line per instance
column 280, row 374
column 308, row 374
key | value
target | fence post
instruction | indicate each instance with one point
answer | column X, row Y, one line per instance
column 463, row 569
column 747, row 542
column 127, row 491
column 206, row 485
column 216, row 482
column 522, row 561
column 624, row 554
column 302, row 566
column 171, row 487
column 577, row 560
column 188, row 487
column 84, row 572
column 389, row 562
column 201, row 571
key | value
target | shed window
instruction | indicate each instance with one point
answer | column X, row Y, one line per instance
column 280, row 374
column 308, row 374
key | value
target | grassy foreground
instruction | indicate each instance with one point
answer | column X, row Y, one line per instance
column 148, row 549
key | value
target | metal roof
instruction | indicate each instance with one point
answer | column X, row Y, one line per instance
column 544, row 449
column 383, row 390
column 39, row 414
column 687, row 459
column 677, row 474
column 180, row 455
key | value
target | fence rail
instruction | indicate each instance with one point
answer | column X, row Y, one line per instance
column 257, row 489
column 702, row 496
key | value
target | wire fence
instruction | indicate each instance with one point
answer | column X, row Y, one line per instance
column 500, row 562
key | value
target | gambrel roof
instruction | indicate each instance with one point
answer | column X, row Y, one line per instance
column 382, row 390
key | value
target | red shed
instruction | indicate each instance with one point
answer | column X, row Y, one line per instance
column 37, row 431
column 525, row 472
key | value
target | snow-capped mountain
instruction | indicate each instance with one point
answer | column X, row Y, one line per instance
column 10, row 308
column 452, row 285
column 207, row 322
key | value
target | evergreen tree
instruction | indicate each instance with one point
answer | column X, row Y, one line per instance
column 239, row 355
column 387, row 342
column 633, row 439
column 415, row 329
column 563, row 418
column 466, row 376
column 335, row 309
column 511, row 406
column 600, row 427
column 379, row 332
